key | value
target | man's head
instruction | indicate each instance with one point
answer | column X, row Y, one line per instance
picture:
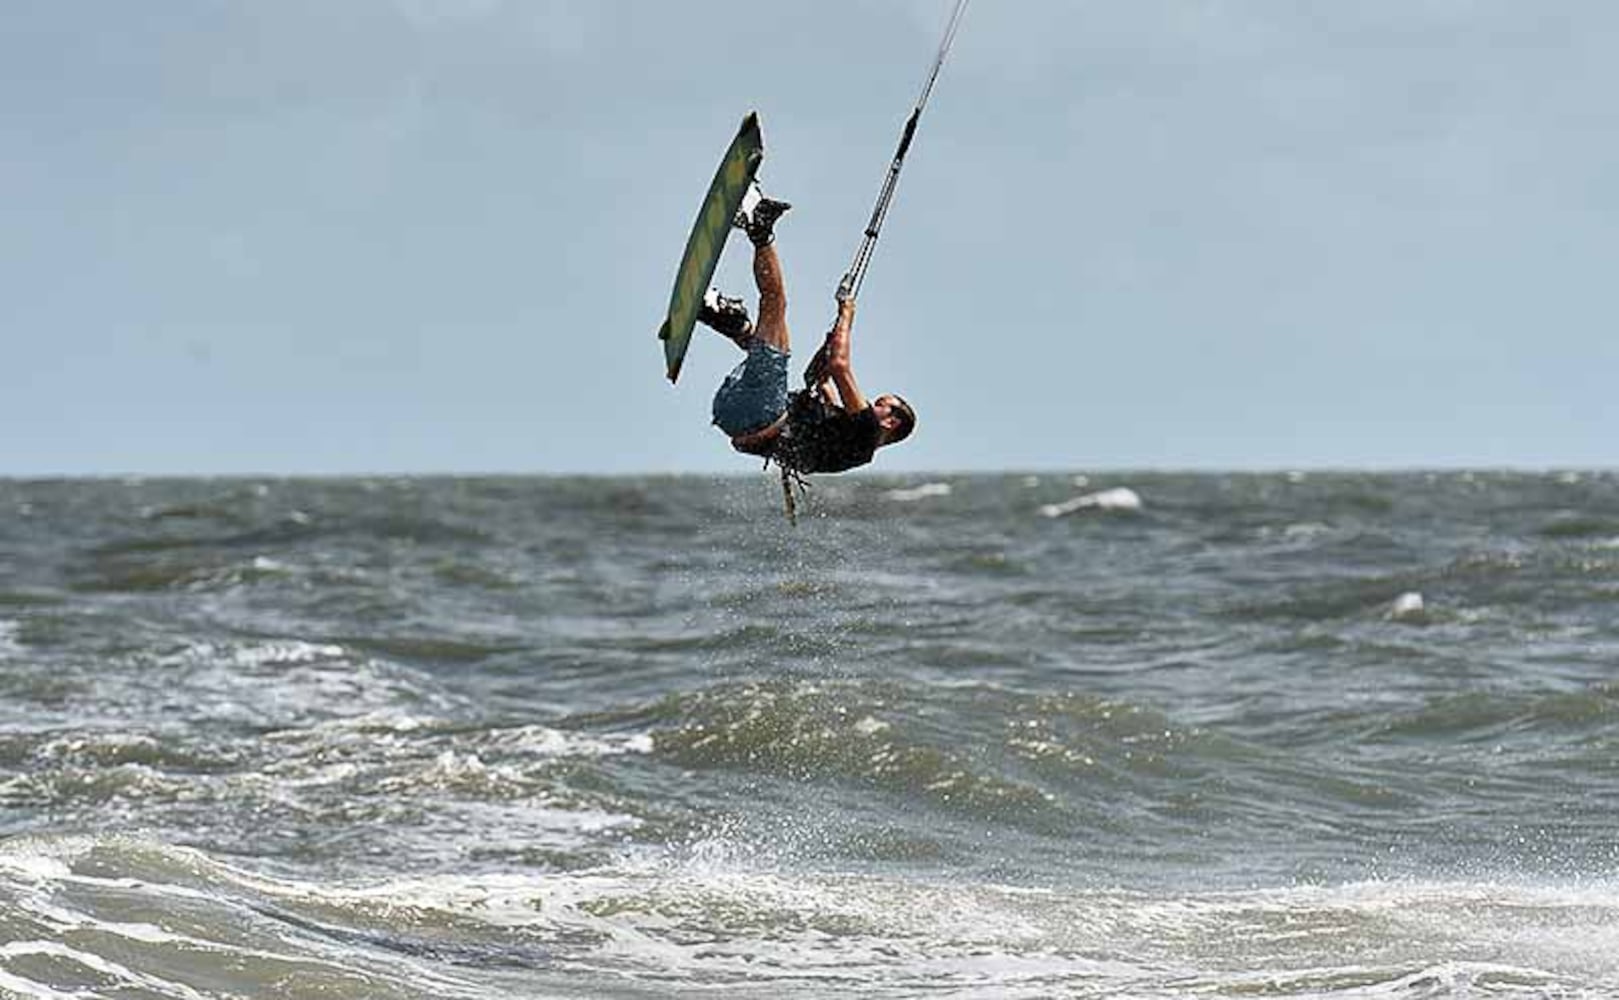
column 895, row 417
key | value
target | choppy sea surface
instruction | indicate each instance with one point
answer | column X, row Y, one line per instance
column 1124, row 735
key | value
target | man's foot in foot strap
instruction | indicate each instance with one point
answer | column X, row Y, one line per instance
column 726, row 316
column 758, row 216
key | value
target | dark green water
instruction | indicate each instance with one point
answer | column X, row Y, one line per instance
column 638, row 737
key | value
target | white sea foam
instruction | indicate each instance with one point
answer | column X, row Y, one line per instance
column 293, row 683
column 547, row 742
column 363, row 725
column 1119, row 498
column 103, row 967
column 733, row 910
column 922, row 492
column 34, row 860
column 1305, row 531
column 11, row 985
column 255, row 655
column 1408, row 606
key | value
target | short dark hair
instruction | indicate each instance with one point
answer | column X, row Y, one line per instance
column 907, row 421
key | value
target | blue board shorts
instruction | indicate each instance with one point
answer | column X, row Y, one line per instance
column 754, row 395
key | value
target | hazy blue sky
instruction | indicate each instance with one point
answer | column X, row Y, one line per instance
column 439, row 235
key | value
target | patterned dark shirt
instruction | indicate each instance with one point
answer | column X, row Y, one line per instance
column 822, row 437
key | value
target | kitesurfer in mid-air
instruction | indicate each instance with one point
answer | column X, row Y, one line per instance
column 829, row 426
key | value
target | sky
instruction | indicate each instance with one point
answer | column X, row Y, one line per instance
column 438, row 236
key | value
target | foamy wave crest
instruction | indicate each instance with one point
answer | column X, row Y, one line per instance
column 1120, row 498
column 714, row 916
column 915, row 493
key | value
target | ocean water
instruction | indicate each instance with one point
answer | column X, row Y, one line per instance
column 1130, row 735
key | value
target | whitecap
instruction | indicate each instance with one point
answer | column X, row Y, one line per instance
column 1408, row 606
column 919, row 492
column 281, row 653
column 1119, row 498
column 1303, row 531
column 543, row 741
column 869, row 726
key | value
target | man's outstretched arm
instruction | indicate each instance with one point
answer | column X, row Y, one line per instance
column 838, row 368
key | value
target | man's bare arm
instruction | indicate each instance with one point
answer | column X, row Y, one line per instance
column 838, row 368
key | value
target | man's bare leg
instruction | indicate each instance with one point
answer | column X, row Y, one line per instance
column 771, row 326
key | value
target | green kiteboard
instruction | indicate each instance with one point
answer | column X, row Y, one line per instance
column 707, row 239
